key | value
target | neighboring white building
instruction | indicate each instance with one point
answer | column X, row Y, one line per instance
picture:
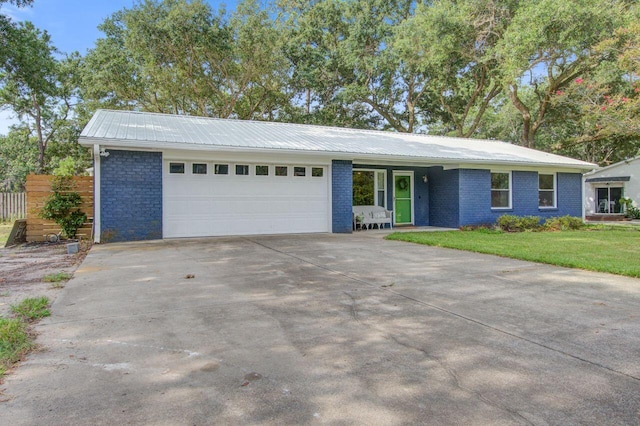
column 603, row 188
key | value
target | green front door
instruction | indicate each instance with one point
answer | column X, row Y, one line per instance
column 402, row 199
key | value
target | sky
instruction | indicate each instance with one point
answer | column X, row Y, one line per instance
column 73, row 25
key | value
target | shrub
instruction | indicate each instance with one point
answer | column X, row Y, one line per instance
column 63, row 206
column 512, row 223
column 632, row 212
column 563, row 223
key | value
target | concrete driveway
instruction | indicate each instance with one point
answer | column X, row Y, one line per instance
column 330, row 329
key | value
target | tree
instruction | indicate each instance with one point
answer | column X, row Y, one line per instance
column 547, row 46
column 175, row 56
column 453, row 43
column 36, row 86
column 342, row 56
column 18, row 157
column 605, row 103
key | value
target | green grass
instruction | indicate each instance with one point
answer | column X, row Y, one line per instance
column 5, row 230
column 57, row 277
column 15, row 342
column 32, row 309
column 603, row 249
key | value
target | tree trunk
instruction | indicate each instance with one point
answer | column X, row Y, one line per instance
column 527, row 136
column 41, row 142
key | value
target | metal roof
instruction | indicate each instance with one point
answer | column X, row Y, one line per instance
column 610, row 179
column 129, row 129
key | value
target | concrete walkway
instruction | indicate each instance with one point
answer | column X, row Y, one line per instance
column 330, row 329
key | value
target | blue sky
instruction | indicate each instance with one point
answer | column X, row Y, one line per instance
column 73, row 24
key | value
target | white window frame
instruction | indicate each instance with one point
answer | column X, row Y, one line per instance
column 555, row 191
column 185, row 167
column 510, row 174
column 375, row 184
column 199, row 174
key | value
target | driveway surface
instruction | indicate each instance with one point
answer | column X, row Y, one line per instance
column 330, row 329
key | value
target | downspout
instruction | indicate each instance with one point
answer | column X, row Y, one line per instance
column 96, row 193
column 583, row 182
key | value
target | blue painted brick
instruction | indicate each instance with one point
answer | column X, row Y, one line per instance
column 341, row 196
column 444, row 197
column 131, row 196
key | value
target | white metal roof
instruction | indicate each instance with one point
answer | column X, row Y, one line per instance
column 613, row 166
column 129, row 129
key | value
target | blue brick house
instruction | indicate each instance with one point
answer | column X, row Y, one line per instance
column 169, row 176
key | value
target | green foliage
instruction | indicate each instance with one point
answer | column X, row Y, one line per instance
column 15, row 342
column 32, row 308
column 633, row 212
column 66, row 167
column 36, row 85
column 611, row 250
column 18, row 157
column 57, row 277
column 62, row 206
column 363, row 186
column 512, row 223
column 563, row 223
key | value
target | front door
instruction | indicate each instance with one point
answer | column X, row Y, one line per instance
column 403, row 198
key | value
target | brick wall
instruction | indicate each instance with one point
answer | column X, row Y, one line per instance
column 475, row 199
column 569, row 194
column 444, row 196
column 341, row 196
column 131, row 196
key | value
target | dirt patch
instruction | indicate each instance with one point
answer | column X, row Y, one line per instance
column 23, row 267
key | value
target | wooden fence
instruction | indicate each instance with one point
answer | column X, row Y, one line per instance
column 38, row 188
column 13, row 205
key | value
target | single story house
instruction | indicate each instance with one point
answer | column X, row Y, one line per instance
column 604, row 187
column 168, row 176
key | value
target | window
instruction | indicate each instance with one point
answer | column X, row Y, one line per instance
column 262, row 170
column 299, row 171
column 281, row 170
column 242, row 170
column 500, row 190
column 199, row 168
column 609, row 200
column 317, row 171
column 221, row 169
column 546, row 191
column 176, row 168
column 369, row 188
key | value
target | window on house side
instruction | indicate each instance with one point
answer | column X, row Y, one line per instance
column 546, row 190
column 199, row 168
column 500, row 190
column 242, row 170
column 221, row 169
column 176, row 168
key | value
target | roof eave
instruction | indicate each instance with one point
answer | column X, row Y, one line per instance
column 337, row 155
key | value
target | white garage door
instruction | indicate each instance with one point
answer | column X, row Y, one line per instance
column 211, row 199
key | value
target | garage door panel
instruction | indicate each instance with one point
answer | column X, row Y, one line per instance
column 244, row 205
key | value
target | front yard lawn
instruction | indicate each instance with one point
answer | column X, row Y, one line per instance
column 613, row 250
